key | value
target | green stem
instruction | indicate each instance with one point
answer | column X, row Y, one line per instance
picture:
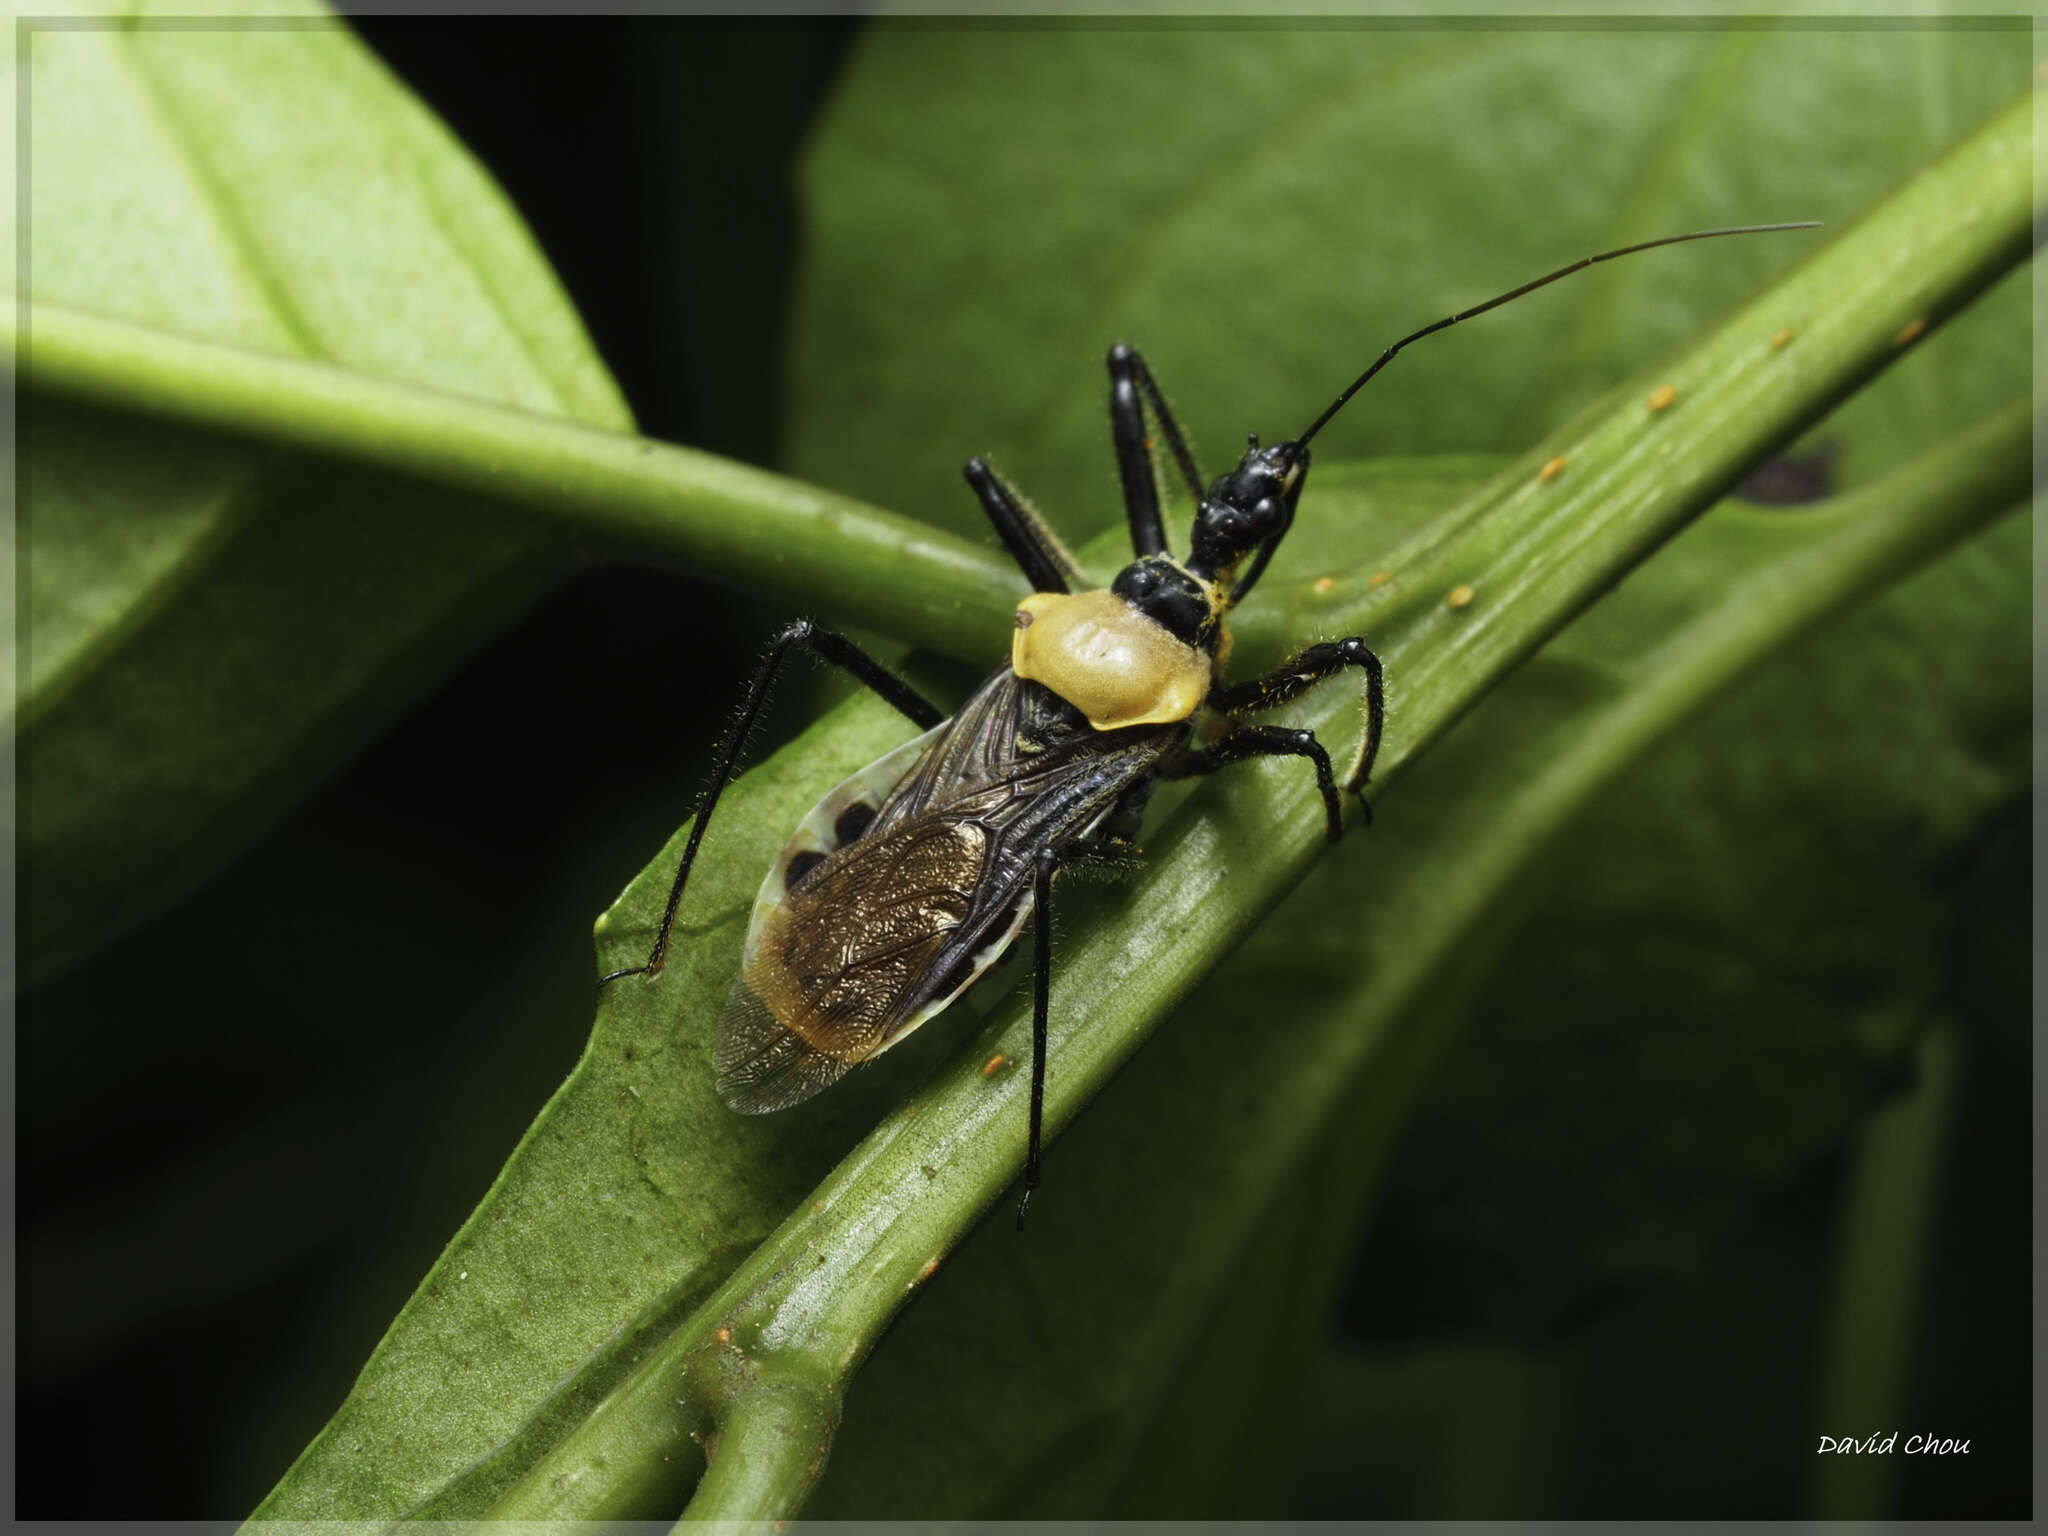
column 769, row 1450
column 725, row 520
column 813, row 1298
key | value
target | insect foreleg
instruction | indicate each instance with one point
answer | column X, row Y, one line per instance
column 833, row 647
column 1303, row 671
column 1269, row 741
column 1031, row 543
column 1131, row 390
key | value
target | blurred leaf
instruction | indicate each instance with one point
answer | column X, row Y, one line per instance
column 1262, row 210
column 1721, row 969
column 212, row 625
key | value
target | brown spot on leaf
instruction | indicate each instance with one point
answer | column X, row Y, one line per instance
column 1793, row 479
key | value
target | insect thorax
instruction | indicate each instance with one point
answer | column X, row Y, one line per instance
column 1109, row 660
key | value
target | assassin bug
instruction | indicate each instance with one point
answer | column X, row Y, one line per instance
column 912, row 878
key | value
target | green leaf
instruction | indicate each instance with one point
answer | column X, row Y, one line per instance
column 213, row 624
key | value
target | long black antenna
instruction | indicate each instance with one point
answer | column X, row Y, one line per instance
column 1387, row 356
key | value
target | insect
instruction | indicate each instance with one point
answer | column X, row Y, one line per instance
column 912, row 878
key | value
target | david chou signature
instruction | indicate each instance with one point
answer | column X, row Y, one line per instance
column 1885, row 1445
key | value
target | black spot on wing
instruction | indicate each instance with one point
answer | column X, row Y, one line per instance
column 800, row 866
column 852, row 822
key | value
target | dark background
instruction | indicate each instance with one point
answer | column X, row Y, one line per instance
column 216, row 1223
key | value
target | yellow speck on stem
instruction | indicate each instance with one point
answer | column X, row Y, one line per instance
column 1661, row 397
column 1551, row 469
column 1378, row 579
column 994, row 1064
column 1459, row 596
column 1910, row 332
column 1326, row 583
column 1782, row 335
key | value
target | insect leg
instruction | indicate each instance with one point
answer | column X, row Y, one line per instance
column 838, row 650
column 1269, row 741
column 1031, row 543
column 1298, row 674
column 1041, row 1008
column 1131, row 390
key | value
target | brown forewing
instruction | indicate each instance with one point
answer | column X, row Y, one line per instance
column 838, row 962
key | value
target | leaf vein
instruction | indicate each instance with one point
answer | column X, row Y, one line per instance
column 217, row 197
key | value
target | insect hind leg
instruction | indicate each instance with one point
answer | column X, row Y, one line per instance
column 826, row 644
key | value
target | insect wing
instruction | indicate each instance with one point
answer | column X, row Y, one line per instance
column 842, row 968
column 901, row 887
column 761, row 1064
column 838, row 819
